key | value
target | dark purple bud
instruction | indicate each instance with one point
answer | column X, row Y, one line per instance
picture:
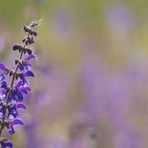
column 20, row 48
column 29, row 74
column 17, row 76
column 17, row 47
column 24, row 40
column 30, row 31
column 16, row 62
column 28, row 40
column 26, row 29
column 10, row 73
column 28, row 51
column 34, row 24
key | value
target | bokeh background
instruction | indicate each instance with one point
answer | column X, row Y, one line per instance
column 91, row 84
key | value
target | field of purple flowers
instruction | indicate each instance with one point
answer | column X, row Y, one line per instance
column 90, row 88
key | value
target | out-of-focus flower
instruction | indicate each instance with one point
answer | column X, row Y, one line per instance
column 121, row 20
column 14, row 122
column 63, row 24
column 127, row 138
column 6, row 144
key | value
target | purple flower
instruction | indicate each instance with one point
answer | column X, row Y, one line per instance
column 12, row 111
column 22, row 49
column 3, row 68
column 25, row 63
column 16, row 96
column 29, row 74
column 14, row 122
column 6, row 144
column 30, row 57
column 4, row 85
column 21, row 106
column 2, row 77
column 23, row 88
column 24, row 75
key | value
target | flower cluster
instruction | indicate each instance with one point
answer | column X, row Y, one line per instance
column 11, row 96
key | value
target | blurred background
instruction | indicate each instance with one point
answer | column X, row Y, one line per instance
column 91, row 84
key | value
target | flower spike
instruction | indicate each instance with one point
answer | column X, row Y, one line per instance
column 12, row 95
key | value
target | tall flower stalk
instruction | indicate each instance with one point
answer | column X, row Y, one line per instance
column 12, row 95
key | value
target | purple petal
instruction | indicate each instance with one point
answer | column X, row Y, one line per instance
column 21, row 67
column 28, row 73
column 11, row 130
column 19, row 84
column 3, row 67
column 16, row 121
column 25, row 90
column 28, row 66
column 7, row 144
column 4, row 85
column 22, row 106
column 24, row 80
column 2, row 77
column 30, row 57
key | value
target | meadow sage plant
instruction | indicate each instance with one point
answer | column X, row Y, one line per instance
column 12, row 95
